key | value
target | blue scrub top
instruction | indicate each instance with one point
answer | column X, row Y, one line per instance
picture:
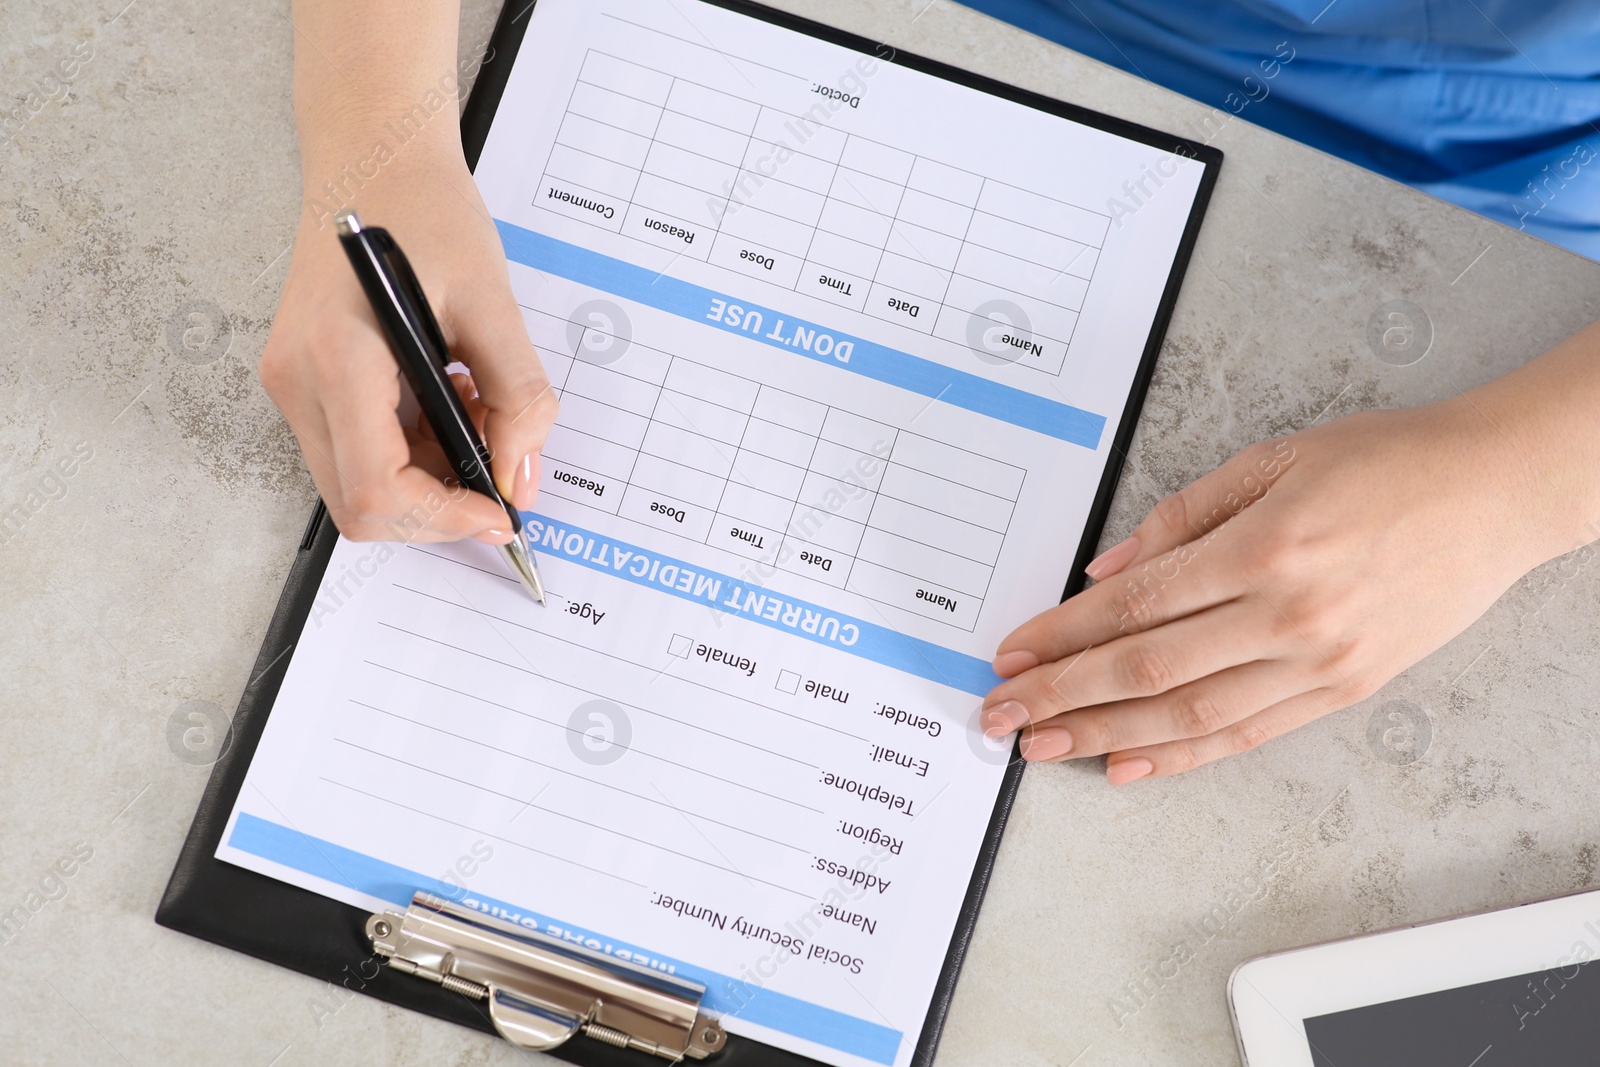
column 1490, row 104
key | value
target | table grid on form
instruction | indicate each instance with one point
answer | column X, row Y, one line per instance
column 777, row 478
column 788, row 199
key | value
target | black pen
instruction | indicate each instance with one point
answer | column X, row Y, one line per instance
column 418, row 346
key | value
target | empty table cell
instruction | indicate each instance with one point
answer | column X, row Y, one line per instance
column 923, row 245
column 686, row 168
column 756, row 260
column 763, row 227
column 607, row 177
column 945, row 182
column 680, row 202
column 614, row 109
column 788, row 409
column 703, row 417
column 833, row 285
column 710, row 384
column 853, row 257
column 732, row 534
column 668, row 231
column 1082, row 264
column 936, row 530
column 757, row 506
column 629, row 79
column 704, row 138
column 1055, row 254
column 858, row 433
column 677, row 481
column 941, row 216
column 919, row 596
column 572, row 482
column 772, row 476
column 602, row 420
column 777, row 162
column 800, row 134
column 858, row 223
column 689, row 449
column 1043, row 213
column 821, row 528
column 1044, row 321
column 778, row 197
column 607, row 142
column 851, row 469
column 778, row 442
column 940, row 494
column 609, row 384
column 666, row 512
column 565, row 445
column 836, row 493
column 996, row 341
column 958, row 465
column 864, row 190
column 897, row 305
column 879, row 160
column 921, row 561
column 712, row 106
column 913, row 276
column 827, row 565
column 1020, row 276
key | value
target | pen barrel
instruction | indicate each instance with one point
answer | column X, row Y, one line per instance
column 419, row 348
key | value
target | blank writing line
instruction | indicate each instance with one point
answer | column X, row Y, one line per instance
column 635, row 663
column 570, row 774
column 569, row 729
column 595, row 692
column 571, row 818
column 485, row 833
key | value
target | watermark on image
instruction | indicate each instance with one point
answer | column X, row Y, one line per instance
column 999, row 333
column 599, row 732
column 48, row 488
column 599, row 332
column 1400, row 732
column 1399, row 333
column 51, row 887
column 197, row 732
column 199, row 332
column 338, row 193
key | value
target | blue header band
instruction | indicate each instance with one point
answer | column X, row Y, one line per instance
column 805, row 338
column 731, row 596
column 725, row 995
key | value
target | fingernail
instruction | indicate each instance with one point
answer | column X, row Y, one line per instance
column 1048, row 743
column 1004, row 718
column 1010, row 664
column 1128, row 770
column 526, row 483
column 1113, row 559
column 493, row 537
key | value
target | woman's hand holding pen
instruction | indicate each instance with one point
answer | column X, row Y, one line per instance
column 326, row 364
column 1306, row 572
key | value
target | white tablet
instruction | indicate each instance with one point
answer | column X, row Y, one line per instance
column 1510, row 988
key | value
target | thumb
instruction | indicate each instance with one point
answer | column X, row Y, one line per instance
column 518, row 402
column 1200, row 507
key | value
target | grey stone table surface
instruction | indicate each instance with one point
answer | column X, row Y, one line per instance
column 162, row 500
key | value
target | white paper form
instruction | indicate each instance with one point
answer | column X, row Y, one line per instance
column 841, row 349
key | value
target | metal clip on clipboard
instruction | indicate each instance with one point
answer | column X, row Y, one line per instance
column 542, row 990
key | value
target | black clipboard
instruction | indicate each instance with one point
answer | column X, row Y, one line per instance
column 324, row 938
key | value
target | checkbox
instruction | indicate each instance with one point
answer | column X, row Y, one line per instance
column 680, row 646
column 788, row 682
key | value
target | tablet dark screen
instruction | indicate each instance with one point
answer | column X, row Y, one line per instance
column 1547, row 1018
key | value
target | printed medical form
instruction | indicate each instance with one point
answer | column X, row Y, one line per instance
column 841, row 349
